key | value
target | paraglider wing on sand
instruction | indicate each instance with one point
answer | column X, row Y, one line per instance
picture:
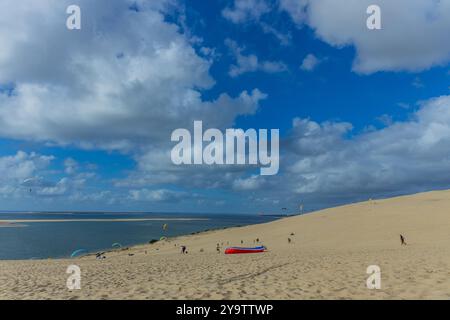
column 78, row 253
column 116, row 245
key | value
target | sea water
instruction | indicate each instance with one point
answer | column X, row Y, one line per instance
column 42, row 240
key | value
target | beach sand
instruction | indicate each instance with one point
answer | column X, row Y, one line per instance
column 327, row 259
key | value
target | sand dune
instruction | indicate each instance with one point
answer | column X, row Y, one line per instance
column 326, row 259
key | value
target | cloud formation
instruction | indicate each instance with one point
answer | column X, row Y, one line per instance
column 413, row 36
column 123, row 82
column 21, row 171
column 250, row 63
column 403, row 156
column 130, row 77
column 126, row 79
column 246, row 10
column 310, row 62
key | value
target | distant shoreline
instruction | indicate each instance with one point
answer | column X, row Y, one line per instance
column 12, row 222
column 7, row 224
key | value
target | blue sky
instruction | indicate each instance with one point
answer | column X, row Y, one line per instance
column 86, row 115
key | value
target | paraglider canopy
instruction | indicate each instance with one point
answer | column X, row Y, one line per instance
column 29, row 181
column 78, row 253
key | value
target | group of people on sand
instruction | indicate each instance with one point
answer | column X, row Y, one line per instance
column 101, row 255
column 218, row 247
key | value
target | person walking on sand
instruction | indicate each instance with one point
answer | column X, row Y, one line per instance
column 183, row 249
column 402, row 240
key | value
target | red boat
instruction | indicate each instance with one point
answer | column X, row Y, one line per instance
column 238, row 250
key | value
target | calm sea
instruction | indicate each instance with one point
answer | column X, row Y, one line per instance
column 41, row 240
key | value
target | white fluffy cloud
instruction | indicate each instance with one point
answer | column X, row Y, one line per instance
column 295, row 8
column 253, row 182
column 126, row 79
column 22, row 171
column 326, row 163
column 123, row 82
column 250, row 63
column 22, row 166
column 321, row 163
column 310, row 62
column 285, row 39
column 246, row 10
column 71, row 166
column 408, row 156
column 29, row 175
column 159, row 195
column 414, row 33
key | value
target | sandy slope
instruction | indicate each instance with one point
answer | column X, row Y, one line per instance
column 327, row 258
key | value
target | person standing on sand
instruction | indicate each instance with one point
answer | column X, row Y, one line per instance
column 402, row 240
column 183, row 249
